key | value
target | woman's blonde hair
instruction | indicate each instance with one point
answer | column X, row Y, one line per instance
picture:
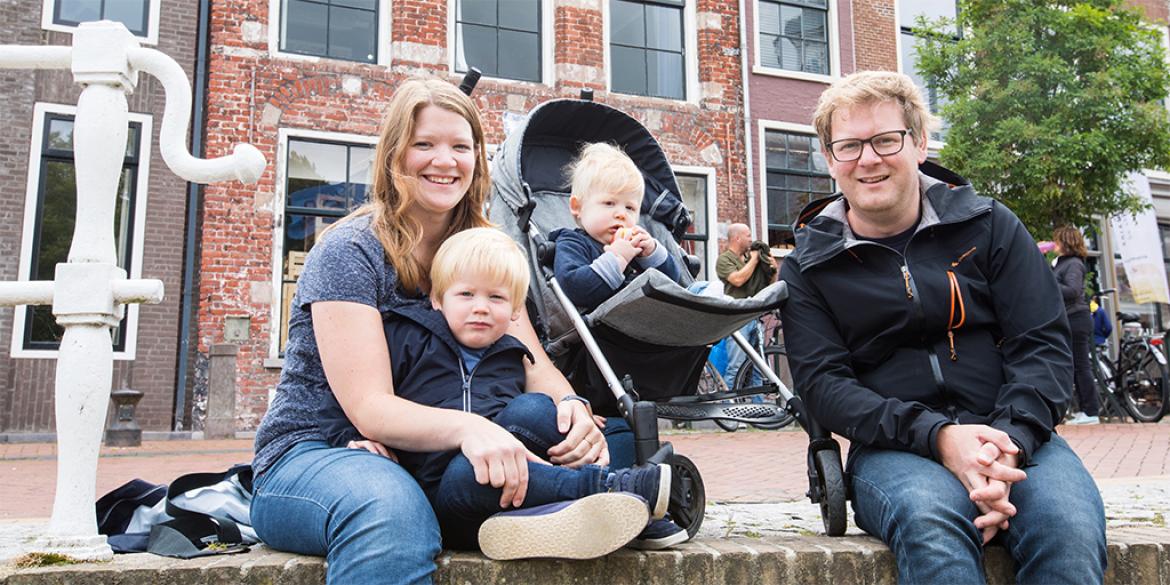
column 603, row 167
column 393, row 191
column 874, row 87
column 485, row 253
column 1072, row 243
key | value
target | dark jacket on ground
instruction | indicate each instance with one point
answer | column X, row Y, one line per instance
column 585, row 286
column 966, row 327
column 1070, row 275
column 428, row 369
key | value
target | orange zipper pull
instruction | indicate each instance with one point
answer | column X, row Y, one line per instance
column 951, row 341
column 906, row 278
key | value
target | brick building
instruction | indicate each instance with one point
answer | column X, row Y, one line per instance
column 37, row 200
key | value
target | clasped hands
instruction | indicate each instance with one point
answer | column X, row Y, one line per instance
column 986, row 462
column 632, row 242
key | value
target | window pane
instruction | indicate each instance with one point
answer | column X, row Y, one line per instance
column 629, row 70
column 694, row 196
column 663, row 28
column 301, row 231
column 769, row 51
column 798, row 153
column 60, row 135
column 352, row 34
column 519, row 56
column 316, row 175
column 769, row 18
column 813, row 25
column 73, row 11
column 627, row 23
column 791, row 18
column 789, row 54
column 796, row 174
column 479, row 47
column 132, row 13
column 910, row 10
column 666, row 74
column 816, row 58
column 360, row 177
column 477, row 11
column 370, row 5
column 305, row 27
column 520, row 14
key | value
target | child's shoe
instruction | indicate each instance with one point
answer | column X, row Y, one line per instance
column 660, row 534
column 587, row 528
column 652, row 482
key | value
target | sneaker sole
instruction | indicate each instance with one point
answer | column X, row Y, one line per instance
column 590, row 527
column 662, row 503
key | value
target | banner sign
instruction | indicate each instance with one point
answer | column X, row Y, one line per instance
column 1137, row 241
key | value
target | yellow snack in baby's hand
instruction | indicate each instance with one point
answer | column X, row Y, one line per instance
column 624, row 234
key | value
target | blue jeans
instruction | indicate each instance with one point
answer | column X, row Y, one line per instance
column 736, row 357
column 462, row 504
column 362, row 512
column 922, row 512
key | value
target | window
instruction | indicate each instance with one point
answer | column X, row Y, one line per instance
column 139, row 16
column 324, row 181
column 499, row 37
column 647, row 56
column 796, row 173
column 794, row 35
column 909, row 11
column 338, row 29
column 696, row 186
column 50, row 216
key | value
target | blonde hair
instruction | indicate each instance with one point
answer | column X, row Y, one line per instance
column 1072, row 243
column 485, row 253
column 874, row 87
column 606, row 168
column 392, row 190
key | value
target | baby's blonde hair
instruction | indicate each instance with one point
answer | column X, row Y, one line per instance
column 603, row 167
column 481, row 252
column 874, row 87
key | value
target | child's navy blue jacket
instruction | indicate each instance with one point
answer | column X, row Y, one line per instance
column 573, row 266
column 428, row 369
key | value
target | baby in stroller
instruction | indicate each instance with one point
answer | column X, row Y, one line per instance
column 455, row 354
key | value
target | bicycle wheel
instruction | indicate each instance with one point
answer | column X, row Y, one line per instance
column 1144, row 383
column 711, row 382
column 777, row 361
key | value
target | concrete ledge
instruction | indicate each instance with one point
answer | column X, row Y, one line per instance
column 1138, row 556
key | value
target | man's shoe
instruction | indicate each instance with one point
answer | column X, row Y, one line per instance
column 660, row 534
column 587, row 528
column 1083, row 419
column 652, row 482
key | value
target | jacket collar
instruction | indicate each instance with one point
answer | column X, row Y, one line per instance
column 428, row 318
column 826, row 232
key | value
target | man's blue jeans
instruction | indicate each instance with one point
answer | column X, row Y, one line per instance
column 363, row 512
column 736, row 357
column 462, row 504
column 922, row 512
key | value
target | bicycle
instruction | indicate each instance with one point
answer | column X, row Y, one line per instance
column 1141, row 375
column 775, row 359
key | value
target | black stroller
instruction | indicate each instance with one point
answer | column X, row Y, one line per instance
column 640, row 354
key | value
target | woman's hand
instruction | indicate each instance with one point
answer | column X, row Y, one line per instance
column 585, row 444
column 499, row 459
column 373, row 447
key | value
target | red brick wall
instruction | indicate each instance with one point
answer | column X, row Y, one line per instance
column 876, row 34
column 254, row 93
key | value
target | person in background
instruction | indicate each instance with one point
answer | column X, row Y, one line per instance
column 1102, row 324
column 745, row 270
column 1069, row 269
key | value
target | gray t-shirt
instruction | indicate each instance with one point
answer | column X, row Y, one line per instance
column 348, row 264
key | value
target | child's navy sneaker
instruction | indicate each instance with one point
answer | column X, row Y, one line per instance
column 652, row 482
column 660, row 534
column 587, row 528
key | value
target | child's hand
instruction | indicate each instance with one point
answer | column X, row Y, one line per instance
column 625, row 249
column 644, row 241
column 373, row 447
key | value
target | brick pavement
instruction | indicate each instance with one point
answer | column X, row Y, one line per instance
column 742, row 467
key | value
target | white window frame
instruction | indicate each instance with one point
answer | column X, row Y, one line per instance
column 278, row 204
column 711, row 244
column 690, row 55
column 382, row 42
column 151, row 37
column 762, row 187
column 40, row 112
column 547, row 46
column 834, row 50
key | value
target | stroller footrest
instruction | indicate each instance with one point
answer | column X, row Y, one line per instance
column 745, row 412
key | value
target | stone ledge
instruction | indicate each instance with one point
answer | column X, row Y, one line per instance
column 1139, row 556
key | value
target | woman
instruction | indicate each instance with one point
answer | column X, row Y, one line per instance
column 1070, row 275
column 359, row 508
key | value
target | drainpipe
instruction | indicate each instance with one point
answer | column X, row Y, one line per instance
column 749, row 144
column 194, row 194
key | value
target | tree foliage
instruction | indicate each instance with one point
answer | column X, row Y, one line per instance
column 1050, row 103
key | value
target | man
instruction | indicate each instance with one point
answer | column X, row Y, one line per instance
column 744, row 273
column 924, row 326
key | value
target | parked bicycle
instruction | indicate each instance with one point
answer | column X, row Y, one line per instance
column 711, row 380
column 1138, row 382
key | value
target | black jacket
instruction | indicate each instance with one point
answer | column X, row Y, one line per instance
column 428, row 369
column 1070, row 276
column 966, row 327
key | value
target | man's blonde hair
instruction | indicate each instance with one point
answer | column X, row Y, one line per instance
column 874, row 87
column 481, row 252
column 603, row 167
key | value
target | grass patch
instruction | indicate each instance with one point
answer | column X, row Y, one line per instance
column 35, row 559
column 1159, row 520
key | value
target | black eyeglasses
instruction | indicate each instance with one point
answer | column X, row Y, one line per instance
column 884, row 144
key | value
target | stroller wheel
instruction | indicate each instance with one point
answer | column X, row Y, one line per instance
column 688, row 498
column 832, row 485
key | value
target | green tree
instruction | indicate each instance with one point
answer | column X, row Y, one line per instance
column 1050, row 103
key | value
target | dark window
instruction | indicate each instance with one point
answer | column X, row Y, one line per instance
column 797, row 173
column 135, row 14
column 646, row 48
column 909, row 11
column 325, row 181
column 56, row 215
column 694, row 241
column 339, row 29
column 794, row 35
column 499, row 37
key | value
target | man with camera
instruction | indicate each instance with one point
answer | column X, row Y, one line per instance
column 746, row 268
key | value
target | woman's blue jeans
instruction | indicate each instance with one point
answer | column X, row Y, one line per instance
column 924, row 514
column 365, row 514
